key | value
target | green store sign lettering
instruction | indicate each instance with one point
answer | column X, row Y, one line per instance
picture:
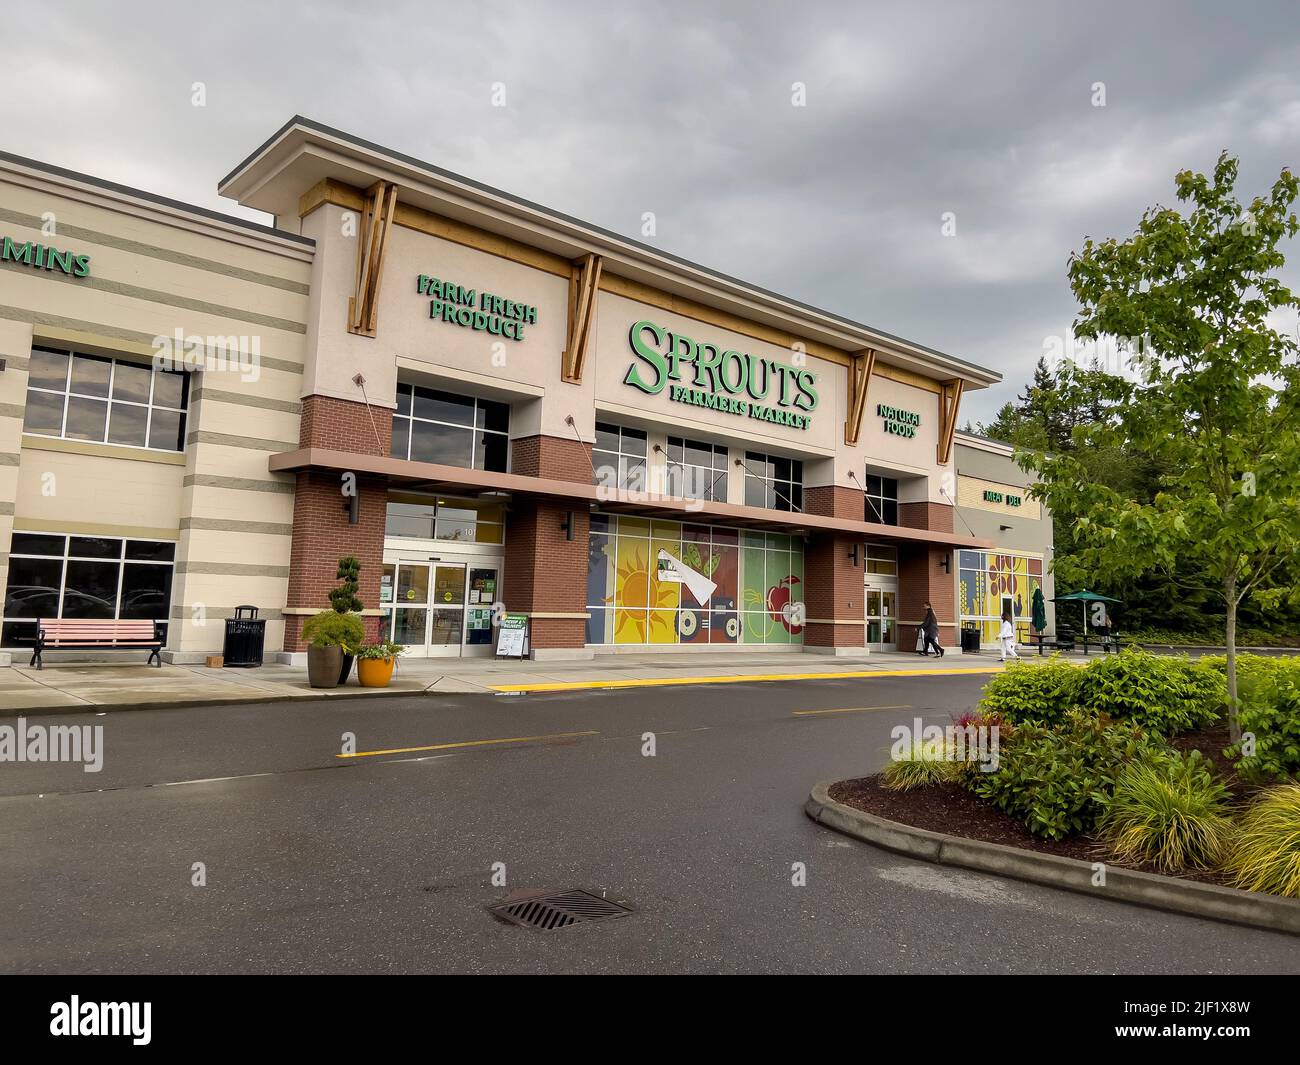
column 481, row 312
column 43, row 257
column 899, row 422
column 730, row 382
column 997, row 497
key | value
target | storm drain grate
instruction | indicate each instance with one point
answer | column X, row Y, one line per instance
column 560, row 910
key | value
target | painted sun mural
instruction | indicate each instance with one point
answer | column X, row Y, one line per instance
column 635, row 594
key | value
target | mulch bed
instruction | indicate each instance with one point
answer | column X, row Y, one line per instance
column 951, row 809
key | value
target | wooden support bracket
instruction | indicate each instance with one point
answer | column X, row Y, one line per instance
column 860, row 369
column 372, row 246
column 949, row 403
column 584, row 283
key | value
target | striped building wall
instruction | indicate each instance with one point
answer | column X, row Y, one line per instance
column 158, row 268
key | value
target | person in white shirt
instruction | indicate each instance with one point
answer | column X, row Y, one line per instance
column 1007, row 636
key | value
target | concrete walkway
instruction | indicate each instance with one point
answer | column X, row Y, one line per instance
column 78, row 685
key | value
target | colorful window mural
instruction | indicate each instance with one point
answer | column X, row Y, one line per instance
column 667, row 582
column 986, row 578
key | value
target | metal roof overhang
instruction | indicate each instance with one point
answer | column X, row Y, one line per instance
column 455, row 480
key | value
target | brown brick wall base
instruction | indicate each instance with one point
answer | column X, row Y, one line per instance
column 552, row 457
column 833, row 592
column 936, row 517
column 322, row 533
column 921, row 579
column 547, row 573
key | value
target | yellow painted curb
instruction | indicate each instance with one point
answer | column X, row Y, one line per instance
column 729, row 678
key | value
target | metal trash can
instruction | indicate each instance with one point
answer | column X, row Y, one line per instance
column 245, row 638
column 970, row 637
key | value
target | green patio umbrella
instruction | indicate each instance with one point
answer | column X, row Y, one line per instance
column 1085, row 597
column 1038, row 611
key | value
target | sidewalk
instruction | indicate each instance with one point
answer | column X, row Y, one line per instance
column 122, row 686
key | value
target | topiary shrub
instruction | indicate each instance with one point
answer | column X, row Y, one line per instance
column 344, row 598
column 1266, row 853
column 1054, row 780
column 331, row 629
column 1161, row 693
column 1168, row 810
column 1036, row 694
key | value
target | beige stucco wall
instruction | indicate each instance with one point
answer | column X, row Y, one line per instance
column 155, row 270
column 437, row 352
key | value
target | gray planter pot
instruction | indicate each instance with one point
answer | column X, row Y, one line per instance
column 324, row 666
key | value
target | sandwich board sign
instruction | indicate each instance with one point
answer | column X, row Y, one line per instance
column 512, row 636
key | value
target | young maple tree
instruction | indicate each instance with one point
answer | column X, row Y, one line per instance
column 1213, row 399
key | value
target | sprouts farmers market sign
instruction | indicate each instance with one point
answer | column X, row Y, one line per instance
column 730, row 382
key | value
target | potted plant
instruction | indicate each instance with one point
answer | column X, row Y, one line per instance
column 330, row 635
column 344, row 600
column 375, row 662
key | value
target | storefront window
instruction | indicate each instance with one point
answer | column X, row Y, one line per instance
column 665, row 582
column 697, row 470
column 424, row 517
column 987, row 580
column 91, row 397
column 52, row 575
column 434, row 426
column 773, row 481
column 619, row 458
column 882, row 559
column 882, row 499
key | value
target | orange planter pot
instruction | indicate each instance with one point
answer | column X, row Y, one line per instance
column 375, row 672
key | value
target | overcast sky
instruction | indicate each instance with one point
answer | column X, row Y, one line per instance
column 912, row 110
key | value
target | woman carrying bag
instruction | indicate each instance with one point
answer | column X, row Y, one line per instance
column 930, row 633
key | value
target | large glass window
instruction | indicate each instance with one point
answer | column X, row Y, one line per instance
column 668, row 582
column 426, row 517
column 433, row 426
column 697, row 470
column 619, row 458
column 773, row 481
column 987, row 580
column 53, row 575
column 91, row 397
column 882, row 499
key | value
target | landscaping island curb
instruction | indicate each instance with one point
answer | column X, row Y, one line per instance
column 1124, row 885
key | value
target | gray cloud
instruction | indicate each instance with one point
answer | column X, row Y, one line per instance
column 685, row 110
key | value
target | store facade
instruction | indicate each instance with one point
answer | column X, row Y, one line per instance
column 496, row 408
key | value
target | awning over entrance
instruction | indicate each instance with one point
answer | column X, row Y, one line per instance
column 453, row 480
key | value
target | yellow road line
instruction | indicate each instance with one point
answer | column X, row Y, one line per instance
column 851, row 710
column 468, row 743
column 731, row 678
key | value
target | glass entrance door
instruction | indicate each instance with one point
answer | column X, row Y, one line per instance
column 882, row 617
column 425, row 603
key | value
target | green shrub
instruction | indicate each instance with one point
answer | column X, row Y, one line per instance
column 1029, row 693
column 1161, row 693
column 331, row 629
column 1168, row 809
column 1269, row 692
column 1266, row 855
column 384, row 649
column 922, row 767
column 1054, row 780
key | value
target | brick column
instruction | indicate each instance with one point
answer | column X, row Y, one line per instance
column 545, row 572
column 833, row 592
column 322, row 533
column 921, row 576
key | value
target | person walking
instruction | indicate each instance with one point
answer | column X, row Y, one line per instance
column 1007, row 636
column 930, row 630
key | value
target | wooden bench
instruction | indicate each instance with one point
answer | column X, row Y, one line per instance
column 93, row 634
